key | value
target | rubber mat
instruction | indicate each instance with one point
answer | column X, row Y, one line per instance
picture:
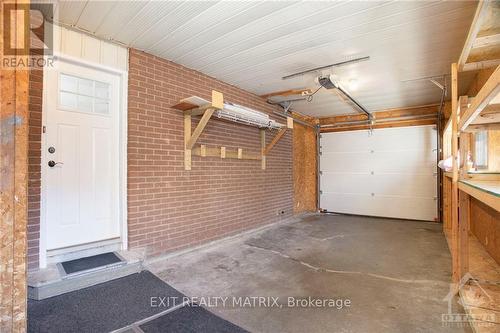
column 190, row 319
column 101, row 308
column 83, row 264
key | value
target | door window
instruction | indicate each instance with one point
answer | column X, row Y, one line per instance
column 84, row 95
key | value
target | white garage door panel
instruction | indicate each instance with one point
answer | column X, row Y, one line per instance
column 402, row 138
column 413, row 208
column 422, row 185
column 390, row 173
column 417, row 161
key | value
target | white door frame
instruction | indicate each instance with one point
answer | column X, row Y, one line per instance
column 122, row 142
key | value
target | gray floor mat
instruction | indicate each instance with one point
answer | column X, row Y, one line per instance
column 101, row 308
column 190, row 319
column 83, row 264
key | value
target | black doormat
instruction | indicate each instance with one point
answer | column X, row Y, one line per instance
column 83, row 264
column 190, row 319
column 101, row 308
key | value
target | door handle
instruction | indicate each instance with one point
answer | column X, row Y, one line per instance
column 53, row 164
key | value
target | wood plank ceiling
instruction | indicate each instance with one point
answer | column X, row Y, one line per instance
column 253, row 44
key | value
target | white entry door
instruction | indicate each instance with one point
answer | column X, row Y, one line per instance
column 80, row 157
column 389, row 173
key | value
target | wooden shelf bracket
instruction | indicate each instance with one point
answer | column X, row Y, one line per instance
column 206, row 110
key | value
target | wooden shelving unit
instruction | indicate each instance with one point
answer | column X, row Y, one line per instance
column 475, row 272
column 483, row 112
column 206, row 110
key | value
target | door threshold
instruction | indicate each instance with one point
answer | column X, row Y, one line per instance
column 83, row 250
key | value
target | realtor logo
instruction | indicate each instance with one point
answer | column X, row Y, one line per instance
column 479, row 318
column 23, row 23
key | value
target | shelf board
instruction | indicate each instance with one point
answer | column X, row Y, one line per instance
column 486, row 191
column 485, row 108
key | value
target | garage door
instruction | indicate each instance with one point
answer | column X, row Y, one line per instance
column 389, row 173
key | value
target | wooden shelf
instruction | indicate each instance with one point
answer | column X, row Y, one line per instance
column 196, row 106
column 484, row 111
column 486, row 191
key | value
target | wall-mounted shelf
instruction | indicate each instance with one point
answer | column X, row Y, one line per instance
column 484, row 110
column 196, row 106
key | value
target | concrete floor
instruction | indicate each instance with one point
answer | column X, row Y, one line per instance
column 395, row 274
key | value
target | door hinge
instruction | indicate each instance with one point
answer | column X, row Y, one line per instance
column 44, row 129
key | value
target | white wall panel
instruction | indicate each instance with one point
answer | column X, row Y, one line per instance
column 88, row 48
column 389, row 173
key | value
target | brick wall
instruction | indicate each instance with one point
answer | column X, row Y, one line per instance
column 170, row 208
column 34, row 159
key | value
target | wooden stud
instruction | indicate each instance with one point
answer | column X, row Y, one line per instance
column 222, row 152
column 289, row 122
column 464, row 220
column 454, row 187
column 275, row 140
column 240, row 153
column 263, row 148
column 187, row 137
column 203, row 150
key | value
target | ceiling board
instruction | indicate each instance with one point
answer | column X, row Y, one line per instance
column 253, row 44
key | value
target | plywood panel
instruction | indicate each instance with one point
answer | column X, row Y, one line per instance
column 486, row 227
column 13, row 188
column 304, row 168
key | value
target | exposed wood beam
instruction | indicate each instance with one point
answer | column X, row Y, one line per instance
column 290, row 92
column 275, row 140
column 401, row 123
column 481, row 12
column 384, row 114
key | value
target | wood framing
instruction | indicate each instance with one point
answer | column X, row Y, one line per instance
column 489, row 93
column 431, row 109
column 454, row 185
column 413, row 116
column 480, row 49
column 14, row 85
